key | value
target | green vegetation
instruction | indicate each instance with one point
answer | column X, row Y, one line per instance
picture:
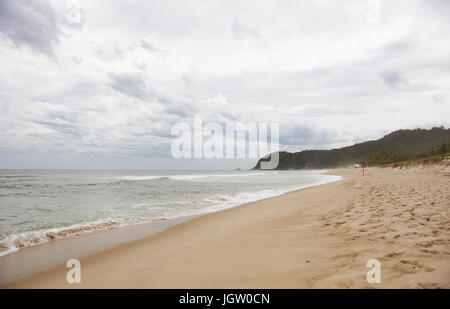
column 417, row 162
column 394, row 156
column 398, row 146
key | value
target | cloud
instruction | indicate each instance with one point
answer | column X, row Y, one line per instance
column 75, row 17
column 127, row 73
column 439, row 98
column 392, row 78
column 241, row 31
column 30, row 22
column 131, row 84
column 440, row 8
column 134, row 85
column 306, row 137
column 151, row 48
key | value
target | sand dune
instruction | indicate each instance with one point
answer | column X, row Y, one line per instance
column 320, row 237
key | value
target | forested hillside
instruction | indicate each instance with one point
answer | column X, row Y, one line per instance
column 396, row 146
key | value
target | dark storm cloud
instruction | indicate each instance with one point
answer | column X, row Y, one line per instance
column 30, row 22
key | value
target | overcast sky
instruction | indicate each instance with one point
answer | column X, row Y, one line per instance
column 104, row 92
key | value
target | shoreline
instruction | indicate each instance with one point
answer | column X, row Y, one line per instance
column 35, row 259
column 102, row 240
column 30, row 239
column 321, row 236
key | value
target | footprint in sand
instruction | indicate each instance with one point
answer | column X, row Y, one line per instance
column 412, row 267
column 430, row 251
column 393, row 254
column 427, row 244
column 431, row 285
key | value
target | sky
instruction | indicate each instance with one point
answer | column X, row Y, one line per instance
column 99, row 84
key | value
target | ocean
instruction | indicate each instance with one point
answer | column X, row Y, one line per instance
column 38, row 206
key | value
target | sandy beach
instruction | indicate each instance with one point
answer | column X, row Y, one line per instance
column 319, row 237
